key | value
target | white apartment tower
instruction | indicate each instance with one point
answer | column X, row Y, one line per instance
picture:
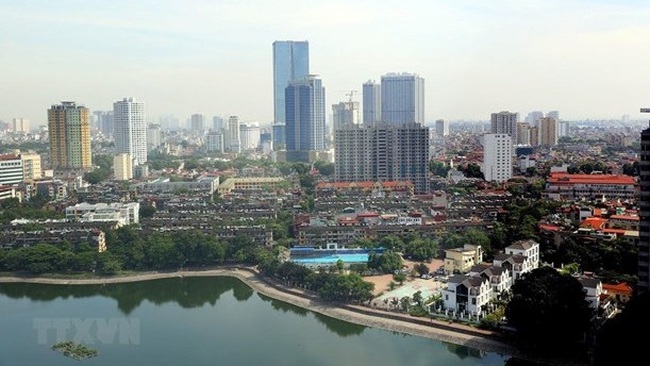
column 130, row 129
column 214, row 141
column 154, row 137
column 21, row 125
column 497, row 157
column 249, row 136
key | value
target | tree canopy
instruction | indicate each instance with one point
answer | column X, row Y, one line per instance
column 548, row 309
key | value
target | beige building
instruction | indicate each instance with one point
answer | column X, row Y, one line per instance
column 69, row 130
column 248, row 184
column 122, row 166
column 548, row 131
column 31, row 167
column 462, row 259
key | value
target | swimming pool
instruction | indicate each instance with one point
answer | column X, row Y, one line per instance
column 332, row 259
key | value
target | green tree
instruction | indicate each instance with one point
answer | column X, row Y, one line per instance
column 340, row 265
column 618, row 333
column 387, row 262
column 548, row 309
column 399, row 277
column 438, row 168
column 422, row 269
column 324, row 168
column 147, row 211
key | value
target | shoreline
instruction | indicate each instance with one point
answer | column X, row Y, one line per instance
column 361, row 315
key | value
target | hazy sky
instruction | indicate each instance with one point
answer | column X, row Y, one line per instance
column 587, row 59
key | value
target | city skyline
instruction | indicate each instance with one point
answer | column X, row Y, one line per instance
column 476, row 58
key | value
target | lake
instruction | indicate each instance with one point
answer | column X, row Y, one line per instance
column 198, row 321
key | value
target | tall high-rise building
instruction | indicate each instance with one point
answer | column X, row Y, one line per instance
column 279, row 132
column 643, row 249
column 497, row 157
column 69, row 130
column 371, row 100
column 234, row 142
column 122, row 166
column 385, row 152
column 197, row 122
column 554, row 114
column 442, row 127
column 523, row 133
column 548, row 131
column 505, row 122
column 104, row 120
column 533, row 117
column 21, row 125
column 214, row 141
column 290, row 63
column 562, row 128
column 217, row 123
column 154, row 136
column 402, row 98
column 344, row 114
column 130, row 129
column 249, row 136
column 533, row 135
column 305, row 122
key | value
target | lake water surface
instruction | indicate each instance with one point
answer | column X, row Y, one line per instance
column 198, row 321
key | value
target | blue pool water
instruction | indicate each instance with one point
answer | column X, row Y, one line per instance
column 331, row 259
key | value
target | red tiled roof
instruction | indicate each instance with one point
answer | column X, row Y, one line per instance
column 565, row 178
column 625, row 217
column 621, row 288
column 368, row 214
column 550, row 227
column 9, row 157
column 594, row 223
column 615, row 231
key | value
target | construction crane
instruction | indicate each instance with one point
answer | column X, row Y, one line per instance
column 351, row 94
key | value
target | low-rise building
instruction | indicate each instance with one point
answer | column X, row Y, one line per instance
column 467, row 294
column 461, row 260
column 593, row 288
column 564, row 186
column 500, row 278
column 248, row 184
column 123, row 213
column 203, row 185
column 11, row 169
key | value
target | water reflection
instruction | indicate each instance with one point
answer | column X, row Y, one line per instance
column 343, row 329
column 463, row 352
column 187, row 292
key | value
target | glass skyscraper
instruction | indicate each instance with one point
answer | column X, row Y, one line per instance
column 290, row 63
column 305, row 124
column 402, row 98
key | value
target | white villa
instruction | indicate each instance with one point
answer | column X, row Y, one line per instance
column 484, row 282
